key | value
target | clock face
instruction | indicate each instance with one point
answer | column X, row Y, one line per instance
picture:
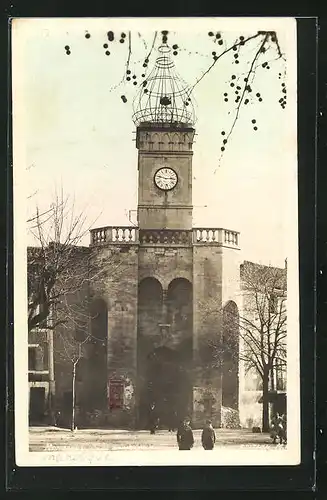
column 165, row 178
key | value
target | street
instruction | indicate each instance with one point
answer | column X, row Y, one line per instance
column 54, row 439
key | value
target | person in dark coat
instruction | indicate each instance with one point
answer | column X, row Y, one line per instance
column 185, row 437
column 208, row 437
column 153, row 419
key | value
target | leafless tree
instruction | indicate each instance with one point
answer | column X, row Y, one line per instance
column 58, row 265
column 263, row 326
column 259, row 50
column 256, row 335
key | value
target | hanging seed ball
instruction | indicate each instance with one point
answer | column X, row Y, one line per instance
column 107, row 53
column 263, row 50
column 134, row 83
column 145, row 65
column 237, row 61
column 146, row 91
column 260, row 99
column 220, row 42
column 122, row 40
column 281, row 100
column 134, row 76
column 222, row 148
column 284, row 90
column 165, row 32
column 245, row 79
column 233, row 77
column 210, row 33
column 283, row 84
column 128, row 71
column 225, row 141
column 143, row 75
column 258, row 94
column 241, row 38
column 175, row 52
column 67, row 47
column 254, row 121
column 223, row 132
column 128, row 78
column 234, row 48
column 105, row 45
column 164, row 39
column 268, row 67
column 238, row 87
column 215, row 58
column 236, row 92
column 214, row 53
column 87, row 35
column 146, row 60
column 235, row 56
column 225, row 94
column 68, row 52
column 186, row 103
column 144, row 84
column 218, row 35
column 255, row 128
column 110, row 36
column 123, row 98
column 123, row 35
column 175, row 46
column 226, row 100
column 246, row 101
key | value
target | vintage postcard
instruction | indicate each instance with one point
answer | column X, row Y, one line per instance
column 156, row 289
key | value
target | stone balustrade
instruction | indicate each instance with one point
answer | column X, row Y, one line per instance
column 133, row 235
column 216, row 236
column 165, row 237
column 114, row 234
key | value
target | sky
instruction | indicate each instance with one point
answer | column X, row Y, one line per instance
column 71, row 128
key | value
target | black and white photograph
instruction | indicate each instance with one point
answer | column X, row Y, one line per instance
column 156, row 280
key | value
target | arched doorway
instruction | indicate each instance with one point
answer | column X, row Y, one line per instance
column 97, row 356
column 167, row 386
column 230, row 361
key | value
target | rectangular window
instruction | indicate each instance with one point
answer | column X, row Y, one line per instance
column 32, row 358
column 280, row 376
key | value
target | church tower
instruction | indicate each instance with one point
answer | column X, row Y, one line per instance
column 163, row 304
column 164, row 117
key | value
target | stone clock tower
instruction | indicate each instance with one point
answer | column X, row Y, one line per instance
column 165, row 176
column 156, row 304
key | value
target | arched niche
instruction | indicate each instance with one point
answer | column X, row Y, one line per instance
column 150, row 296
column 230, row 361
column 180, row 307
column 97, row 355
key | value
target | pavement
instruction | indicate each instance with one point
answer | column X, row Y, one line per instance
column 56, row 439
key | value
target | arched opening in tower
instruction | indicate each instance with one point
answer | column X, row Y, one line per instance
column 230, row 361
column 180, row 309
column 168, row 387
column 150, row 300
column 97, row 356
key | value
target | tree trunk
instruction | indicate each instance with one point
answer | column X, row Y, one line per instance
column 73, row 397
column 265, row 401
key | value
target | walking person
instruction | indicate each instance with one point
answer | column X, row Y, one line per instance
column 208, row 436
column 153, row 419
column 184, row 436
